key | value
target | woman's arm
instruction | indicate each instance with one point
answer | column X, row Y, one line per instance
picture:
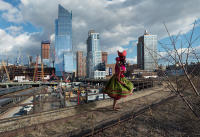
column 119, row 75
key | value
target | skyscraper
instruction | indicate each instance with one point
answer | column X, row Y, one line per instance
column 45, row 52
column 146, row 52
column 63, row 42
column 94, row 56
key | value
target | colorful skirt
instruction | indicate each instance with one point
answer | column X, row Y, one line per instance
column 116, row 90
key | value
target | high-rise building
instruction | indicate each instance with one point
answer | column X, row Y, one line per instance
column 84, row 66
column 64, row 61
column 105, row 57
column 45, row 48
column 81, row 64
column 45, row 52
column 94, row 56
column 147, row 52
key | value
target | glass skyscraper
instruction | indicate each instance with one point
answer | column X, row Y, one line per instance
column 94, row 56
column 64, row 61
column 147, row 52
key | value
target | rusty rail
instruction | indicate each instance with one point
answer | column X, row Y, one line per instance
column 121, row 119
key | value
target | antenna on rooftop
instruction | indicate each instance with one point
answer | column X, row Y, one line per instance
column 146, row 32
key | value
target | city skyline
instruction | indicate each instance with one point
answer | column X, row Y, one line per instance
column 119, row 28
column 99, row 67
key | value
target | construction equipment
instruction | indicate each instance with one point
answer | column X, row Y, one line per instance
column 38, row 74
column 36, row 70
column 4, row 65
column 54, row 76
column 42, row 69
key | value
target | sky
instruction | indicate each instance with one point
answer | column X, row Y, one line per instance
column 25, row 23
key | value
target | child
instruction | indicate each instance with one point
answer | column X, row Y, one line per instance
column 118, row 86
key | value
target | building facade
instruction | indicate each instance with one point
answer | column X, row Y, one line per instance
column 110, row 70
column 84, row 67
column 105, row 57
column 94, row 56
column 147, row 52
column 45, row 52
column 64, row 61
column 81, row 64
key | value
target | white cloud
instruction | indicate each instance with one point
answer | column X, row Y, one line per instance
column 10, row 44
column 52, row 37
column 14, row 30
column 114, row 50
column 111, row 2
column 117, row 21
column 169, row 56
column 77, row 23
column 4, row 5
column 81, row 46
column 13, row 15
column 132, row 60
column 10, row 13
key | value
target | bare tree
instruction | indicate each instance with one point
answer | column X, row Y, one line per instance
column 178, row 54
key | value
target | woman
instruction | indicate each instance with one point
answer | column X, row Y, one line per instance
column 118, row 86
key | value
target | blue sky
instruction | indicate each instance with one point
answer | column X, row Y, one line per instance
column 25, row 23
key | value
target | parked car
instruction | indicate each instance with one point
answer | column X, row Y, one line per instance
column 28, row 108
column 20, row 113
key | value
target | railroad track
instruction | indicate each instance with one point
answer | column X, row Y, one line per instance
column 13, row 97
column 118, row 120
column 13, row 91
column 15, row 125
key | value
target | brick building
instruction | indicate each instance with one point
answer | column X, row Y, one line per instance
column 105, row 57
column 45, row 50
column 81, row 64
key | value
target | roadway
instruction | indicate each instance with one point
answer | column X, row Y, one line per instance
column 12, row 111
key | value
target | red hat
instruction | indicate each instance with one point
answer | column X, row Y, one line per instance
column 117, row 59
column 122, row 54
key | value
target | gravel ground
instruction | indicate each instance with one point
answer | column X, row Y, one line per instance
column 172, row 119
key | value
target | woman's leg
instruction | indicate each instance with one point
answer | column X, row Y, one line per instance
column 114, row 103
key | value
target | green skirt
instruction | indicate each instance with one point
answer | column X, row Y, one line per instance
column 116, row 90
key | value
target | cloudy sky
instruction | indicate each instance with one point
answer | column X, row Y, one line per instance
column 25, row 23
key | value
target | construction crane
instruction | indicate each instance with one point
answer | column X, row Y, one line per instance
column 36, row 69
column 53, row 75
column 4, row 65
column 42, row 69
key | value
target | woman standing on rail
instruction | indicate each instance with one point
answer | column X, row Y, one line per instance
column 118, row 86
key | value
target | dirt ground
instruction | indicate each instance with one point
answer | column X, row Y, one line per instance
column 172, row 119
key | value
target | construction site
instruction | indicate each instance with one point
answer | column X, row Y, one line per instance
column 98, row 72
column 34, row 102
